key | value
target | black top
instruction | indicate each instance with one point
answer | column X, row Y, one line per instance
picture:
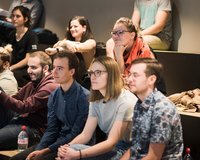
column 27, row 44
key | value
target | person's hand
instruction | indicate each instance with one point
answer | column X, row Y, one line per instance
column 34, row 154
column 57, row 44
column 51, row 51
column 68, row 45
column 119, row 50
column 67, row 153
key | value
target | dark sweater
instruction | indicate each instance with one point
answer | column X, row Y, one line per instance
column 31, row 100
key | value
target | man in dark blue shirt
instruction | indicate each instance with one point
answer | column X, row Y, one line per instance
column 67, row 110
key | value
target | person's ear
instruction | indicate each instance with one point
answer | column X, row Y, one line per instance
column 25, row 19
column 152, row 79
column 45, row 68
column 132, row 35
column 72, row 71
column 85, row 28
column 6, row 65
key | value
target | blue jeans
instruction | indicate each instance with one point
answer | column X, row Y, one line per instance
column 115, row 154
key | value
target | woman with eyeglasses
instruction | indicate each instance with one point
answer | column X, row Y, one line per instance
column 111, row 108
column 23, row 41
column 125, row 45
column 79, row 40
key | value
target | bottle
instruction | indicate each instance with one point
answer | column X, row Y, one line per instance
column 22, row 139
column 187, row 154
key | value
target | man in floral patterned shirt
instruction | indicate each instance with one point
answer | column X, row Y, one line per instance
column 157, row 130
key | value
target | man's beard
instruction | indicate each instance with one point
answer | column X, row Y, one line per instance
column 39, row 78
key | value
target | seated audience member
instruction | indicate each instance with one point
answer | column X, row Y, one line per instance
column 111, row 107
column 79, row 40
column 7, row 80
column 36, row 8
column 157, row 130
column 29, row 105
column 24, row 41
column 127, row 45
column 67, row 110
column 8, row 83
column 154, row 22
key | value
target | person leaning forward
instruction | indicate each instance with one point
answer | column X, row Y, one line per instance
column 29, row 106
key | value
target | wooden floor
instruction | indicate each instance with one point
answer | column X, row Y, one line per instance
column 5, row 155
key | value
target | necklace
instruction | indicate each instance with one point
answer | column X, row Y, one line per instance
column 20, row 34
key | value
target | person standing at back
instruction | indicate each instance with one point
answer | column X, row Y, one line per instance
column 153, row 20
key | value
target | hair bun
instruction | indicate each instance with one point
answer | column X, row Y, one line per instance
column 8, row 48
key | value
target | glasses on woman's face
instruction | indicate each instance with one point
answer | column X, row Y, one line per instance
column 118, row 33
column 96, row 73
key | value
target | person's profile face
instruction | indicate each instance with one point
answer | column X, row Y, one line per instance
column 137, row 79
column 61, row 72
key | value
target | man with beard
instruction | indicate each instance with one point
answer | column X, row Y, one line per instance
column 29, row 105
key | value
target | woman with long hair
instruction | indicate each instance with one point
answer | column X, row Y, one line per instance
column 24, row 41
column 79, row 40
column 111, row 107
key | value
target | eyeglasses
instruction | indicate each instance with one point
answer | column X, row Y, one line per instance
column 96, row 73
column 118, row 33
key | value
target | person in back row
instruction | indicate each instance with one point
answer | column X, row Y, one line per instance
column 125, row 45
column 79, row 40
column 29, row 105
column 37, row 11
column 111, row 107
column 128, row 47
column 23, row 41
column 157, row 130
column 153, row 20
column 67, row 110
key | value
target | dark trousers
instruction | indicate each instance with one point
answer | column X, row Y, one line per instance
column 24, row 154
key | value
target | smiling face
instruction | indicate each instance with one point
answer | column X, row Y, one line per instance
column 121, row 35
column 35, row 70
column 98, row 77
column 77, row 30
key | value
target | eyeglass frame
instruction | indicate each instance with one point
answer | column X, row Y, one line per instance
column 96, row 73
column 118, row 33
